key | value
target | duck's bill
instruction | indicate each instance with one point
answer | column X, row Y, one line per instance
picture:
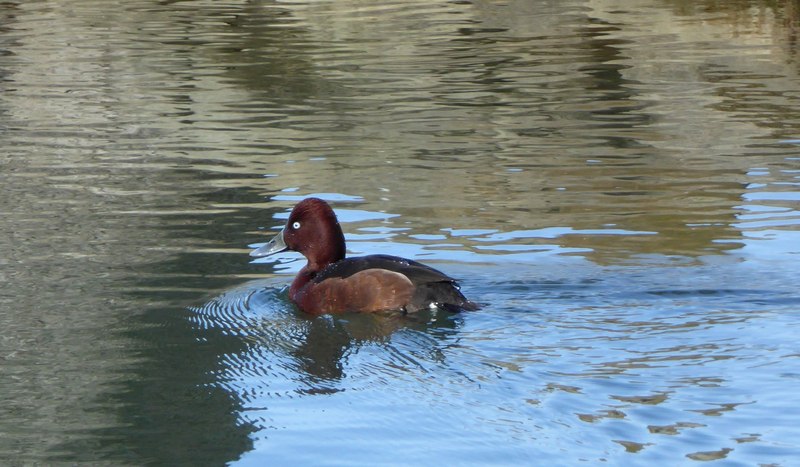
column 276, row 245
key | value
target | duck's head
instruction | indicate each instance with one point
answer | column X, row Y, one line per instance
column 313, row 231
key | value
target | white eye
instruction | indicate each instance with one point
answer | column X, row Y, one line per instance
column 296, row 225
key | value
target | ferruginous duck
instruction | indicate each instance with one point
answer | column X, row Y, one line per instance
column 331, row 283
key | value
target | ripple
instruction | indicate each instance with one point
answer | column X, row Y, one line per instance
column 612, row 193
column 289, row 353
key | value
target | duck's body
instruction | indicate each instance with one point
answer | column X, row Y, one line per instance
column 331, row 283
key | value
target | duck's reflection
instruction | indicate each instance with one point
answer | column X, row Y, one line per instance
column 321, row 353
column 310, row 353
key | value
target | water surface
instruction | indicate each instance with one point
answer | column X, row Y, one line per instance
column 616, row 181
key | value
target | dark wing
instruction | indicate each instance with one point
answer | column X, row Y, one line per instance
column 417, row 273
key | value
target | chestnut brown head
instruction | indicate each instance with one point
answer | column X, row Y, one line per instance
column 313, row 231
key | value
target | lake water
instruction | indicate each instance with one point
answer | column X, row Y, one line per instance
column 618, row 182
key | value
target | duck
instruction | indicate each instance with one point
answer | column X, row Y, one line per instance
column 331, row 283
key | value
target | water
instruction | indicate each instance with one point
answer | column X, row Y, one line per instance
column 616, row 181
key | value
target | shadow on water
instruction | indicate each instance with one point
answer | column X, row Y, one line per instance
column 171, row 412
column 168, row 406
column 160, row 399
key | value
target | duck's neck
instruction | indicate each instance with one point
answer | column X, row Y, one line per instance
column 329, row 249
column 312, row 268
column 303, row 277
column 334, row 239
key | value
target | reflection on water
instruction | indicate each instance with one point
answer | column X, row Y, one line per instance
column 619, row 356
column 315, row 348
column 617, row 181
